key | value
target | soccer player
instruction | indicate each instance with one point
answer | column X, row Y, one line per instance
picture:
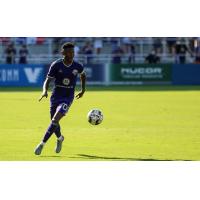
column 64, row 72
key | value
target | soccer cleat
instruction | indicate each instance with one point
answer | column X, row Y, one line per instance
column 59, row 144
column 38, row 149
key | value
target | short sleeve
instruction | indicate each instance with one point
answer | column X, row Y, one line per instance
column 52, row 71
column 80, row 69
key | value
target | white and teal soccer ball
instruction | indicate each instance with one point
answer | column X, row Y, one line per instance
column 95, row 117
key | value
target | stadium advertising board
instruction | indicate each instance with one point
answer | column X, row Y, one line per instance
column 95, row 73
column 21, row 75
column 188, row 74
column 140, row 73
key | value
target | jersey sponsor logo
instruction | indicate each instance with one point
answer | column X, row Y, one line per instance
column 75, row 72
column 60, row 71
column 32, row 74
column 66, row 81
column 65, row 86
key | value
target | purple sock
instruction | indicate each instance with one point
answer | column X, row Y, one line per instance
column 57, row 131
column 52, row 127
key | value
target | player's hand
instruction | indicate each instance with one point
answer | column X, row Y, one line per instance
column 80, row 94
column 44, row 94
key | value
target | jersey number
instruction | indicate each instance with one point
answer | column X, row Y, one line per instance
column 64, row 106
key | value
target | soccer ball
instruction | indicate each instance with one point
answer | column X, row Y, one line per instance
column 95, row 117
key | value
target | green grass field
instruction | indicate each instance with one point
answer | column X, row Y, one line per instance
column 140, row 123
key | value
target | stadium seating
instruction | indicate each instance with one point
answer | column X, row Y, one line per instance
column 41, row 50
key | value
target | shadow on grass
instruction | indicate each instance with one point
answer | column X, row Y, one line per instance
column 51, row 156
column 112, row 88
column 93, row 157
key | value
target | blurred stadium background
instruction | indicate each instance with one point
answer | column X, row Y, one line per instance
column 104, row 50
column 108, row 60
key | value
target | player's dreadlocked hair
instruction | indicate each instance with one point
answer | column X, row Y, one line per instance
column 67, row 45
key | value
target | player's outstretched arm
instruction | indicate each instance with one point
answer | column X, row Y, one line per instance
column 83, row 80
column 45, row 88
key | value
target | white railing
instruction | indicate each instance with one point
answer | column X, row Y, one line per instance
column 97, row 59
column 142, row 47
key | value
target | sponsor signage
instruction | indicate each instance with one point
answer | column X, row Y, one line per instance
column 21, row 75
column 144, row 73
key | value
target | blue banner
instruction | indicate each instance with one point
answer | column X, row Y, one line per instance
column 188, row 74
column 95, row 73
column 21, row 75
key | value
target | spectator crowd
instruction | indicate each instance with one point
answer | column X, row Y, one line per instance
column 119, row 49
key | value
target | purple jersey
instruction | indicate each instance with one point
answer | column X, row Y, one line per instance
column 65, row 80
